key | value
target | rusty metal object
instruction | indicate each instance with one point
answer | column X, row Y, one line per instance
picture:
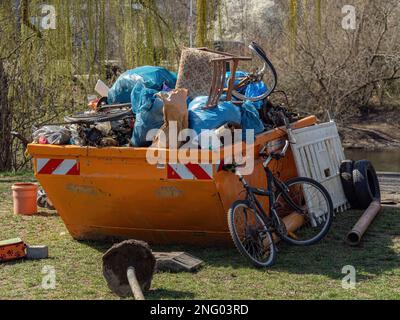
column 353, row 238
column 128, row 267
column 177, row 262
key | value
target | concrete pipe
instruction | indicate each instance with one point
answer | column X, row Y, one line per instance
column 354, row 236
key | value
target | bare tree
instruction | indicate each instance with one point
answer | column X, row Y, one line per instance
column 5, row 123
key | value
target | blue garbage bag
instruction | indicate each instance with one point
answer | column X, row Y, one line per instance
column 256, row 89
column 253, row 89
column 153, row 78
column 251, row 119
column 149, row 113
column 238, row 75
column 212, row 118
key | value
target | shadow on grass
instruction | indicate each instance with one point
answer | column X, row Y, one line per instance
column 375, row 255
column 47, row 214
column 158, row 294
column 25, row 261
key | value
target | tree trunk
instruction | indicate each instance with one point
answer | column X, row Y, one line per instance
column 5, row 123
column 201, row 23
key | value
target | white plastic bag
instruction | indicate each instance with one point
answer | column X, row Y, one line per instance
column 56, row 135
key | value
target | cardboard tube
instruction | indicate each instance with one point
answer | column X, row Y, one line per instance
column 292, row 222
column 354, row 236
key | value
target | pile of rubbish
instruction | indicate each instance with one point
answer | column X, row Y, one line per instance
column 145, row 99
column 103, row 134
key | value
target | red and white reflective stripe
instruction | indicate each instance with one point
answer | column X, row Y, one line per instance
column 190, row 171
column 68, row 167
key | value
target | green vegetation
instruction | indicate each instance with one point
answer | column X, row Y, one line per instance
column 46, row 74
column 300, row 273
column 16, row 175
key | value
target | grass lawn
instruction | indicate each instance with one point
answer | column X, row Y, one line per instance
column 300, row 273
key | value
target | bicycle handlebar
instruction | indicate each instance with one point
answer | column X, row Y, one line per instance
column 282, row 154
column 232, row 167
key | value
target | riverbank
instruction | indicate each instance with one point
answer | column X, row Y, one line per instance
column 377, row 131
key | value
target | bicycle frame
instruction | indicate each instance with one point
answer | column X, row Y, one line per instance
column 272, row 183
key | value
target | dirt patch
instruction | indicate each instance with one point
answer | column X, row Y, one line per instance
column 378, row 130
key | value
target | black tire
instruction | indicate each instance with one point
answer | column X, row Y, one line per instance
column 346, row 176
column 366, row 183
column 270, row 259
column 324, row 223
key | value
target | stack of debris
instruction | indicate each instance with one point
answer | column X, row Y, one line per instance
column 135, row 105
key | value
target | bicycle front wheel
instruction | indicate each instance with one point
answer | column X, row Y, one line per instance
column 250, row 235
column 317, row 213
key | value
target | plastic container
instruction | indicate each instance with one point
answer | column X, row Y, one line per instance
column 24, row 197
column 318, row 154
column 115, row 192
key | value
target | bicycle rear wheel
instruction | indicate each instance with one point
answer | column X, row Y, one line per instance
column 315, row 201
column 104, row 116
column 251, row 235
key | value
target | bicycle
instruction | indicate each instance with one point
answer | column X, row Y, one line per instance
column 303, row 197
column 255, row 76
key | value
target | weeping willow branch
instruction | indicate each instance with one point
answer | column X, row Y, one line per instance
column 201, row 34
column 157, row 15
column 16, row 49
column 319, row 15
column 25, row 18
column 219, row 10
column 293, row 23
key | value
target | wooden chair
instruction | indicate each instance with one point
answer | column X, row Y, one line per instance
column 203, row 68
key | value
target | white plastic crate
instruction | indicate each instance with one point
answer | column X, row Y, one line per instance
column 318, row 154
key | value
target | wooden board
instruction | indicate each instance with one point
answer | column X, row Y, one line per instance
column 176, row 262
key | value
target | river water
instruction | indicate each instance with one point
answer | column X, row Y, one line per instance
column 383, row 161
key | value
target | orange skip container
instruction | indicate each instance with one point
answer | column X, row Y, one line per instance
column 114, row 192
column 24, row 197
